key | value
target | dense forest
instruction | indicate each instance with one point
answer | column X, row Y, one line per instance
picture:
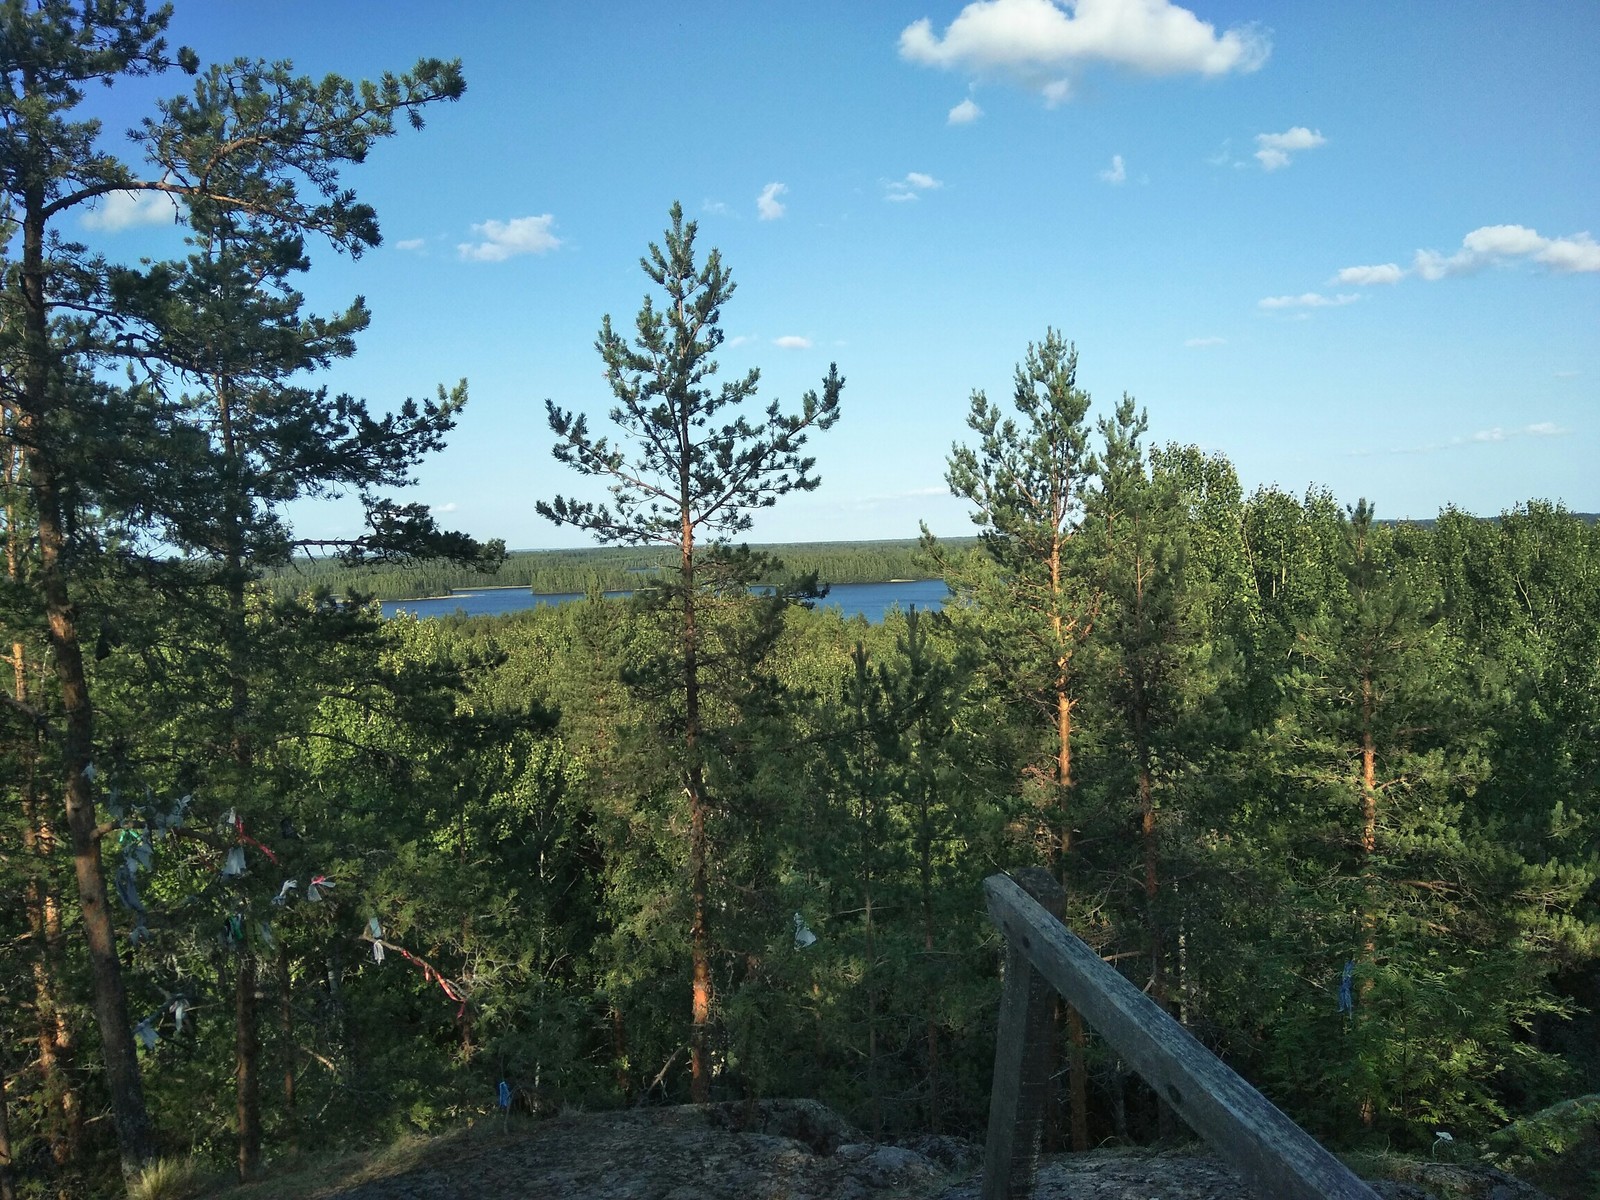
column 286, row 875
column 607, row 569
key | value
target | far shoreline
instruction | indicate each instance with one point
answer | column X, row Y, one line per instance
column 523, row 587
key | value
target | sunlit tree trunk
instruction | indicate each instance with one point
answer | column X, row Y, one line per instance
column 134, row 1134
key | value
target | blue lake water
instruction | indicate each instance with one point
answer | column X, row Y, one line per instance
column 869, row 600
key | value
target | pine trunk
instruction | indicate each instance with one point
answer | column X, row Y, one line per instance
column 1369, row 846
column 246, row 1073
column 8, row 1190
column 926, row 869
column 134, row 1134
column 699, row 933
column 1076, row 1041
column 290, row 1053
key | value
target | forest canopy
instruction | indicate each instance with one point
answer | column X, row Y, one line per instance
column 1327, row 788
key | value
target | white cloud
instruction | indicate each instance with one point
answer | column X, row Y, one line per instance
column 767, row 203
column 1273, row 150
column 906, row 189
column 715, row 206
column 1116, row 172
column 965, row 113
column 1202, row 343
column 117, row 211
column 1577, row 253
column 1033, row 41
column 792, row 341
column 1309, row 300
column 740, row 339
column 1366, row 276
column 507, row 239
column 411, row 244
column 1492, row 244
column 448, row 507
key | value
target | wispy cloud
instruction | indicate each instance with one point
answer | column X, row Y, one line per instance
column 1203, row 343
column 509, row 239
column 965, row 113
column 1483, row 437
column 767, row 204
column 411, row 244
column 1039, row 43
column 716, row 208
column 908, row 188
column 116, row 211
column 792, row 341
column 1224, row 157
column 1539, row 429
column 1274, row 150
column 741, row 339
column 867, row 503
column 1367, row 276
column 1116, row 172
column 1309, row 300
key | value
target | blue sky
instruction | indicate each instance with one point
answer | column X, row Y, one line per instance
column 1350, row 245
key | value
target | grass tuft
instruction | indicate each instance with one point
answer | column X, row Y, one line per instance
column 172, row 1179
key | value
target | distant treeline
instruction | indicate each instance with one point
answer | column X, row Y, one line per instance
column 607, row 569
column 1429, row 523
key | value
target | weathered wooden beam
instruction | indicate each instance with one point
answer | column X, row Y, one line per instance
column 1273, row 1154
column 1023, row 1054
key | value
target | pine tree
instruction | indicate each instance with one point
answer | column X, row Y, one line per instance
column 1027, row 479
column 253, row 139
column 688, row 474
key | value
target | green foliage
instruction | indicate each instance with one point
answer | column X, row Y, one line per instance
column 1263, row 737
column 1548, row 1133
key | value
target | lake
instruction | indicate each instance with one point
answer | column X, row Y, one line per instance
column 869, row 600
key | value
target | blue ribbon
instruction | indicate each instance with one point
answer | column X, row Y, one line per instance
column 505, row 1096
column 1347, row 1002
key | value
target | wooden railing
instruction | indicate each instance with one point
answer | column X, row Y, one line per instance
column 1277, row 1158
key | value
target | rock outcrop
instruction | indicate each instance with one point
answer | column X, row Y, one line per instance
column 801, row 1150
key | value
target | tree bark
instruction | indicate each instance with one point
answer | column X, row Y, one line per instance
column 135, row 1137
column 1076, row 1040
column 8, row 1190
column 1369, row 846
column 699, row 932
column 290, row 1052
column 246, row 1073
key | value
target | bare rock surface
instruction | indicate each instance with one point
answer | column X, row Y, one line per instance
column 801, row 1150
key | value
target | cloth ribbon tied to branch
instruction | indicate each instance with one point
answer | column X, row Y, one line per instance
column 233, row 865
column 429, row 973
column 803, row 936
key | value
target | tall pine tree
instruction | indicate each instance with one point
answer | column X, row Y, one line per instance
column 688, row 472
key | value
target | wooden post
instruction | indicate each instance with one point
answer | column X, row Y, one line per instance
column 1275, row 1156
column 1023, row 1054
